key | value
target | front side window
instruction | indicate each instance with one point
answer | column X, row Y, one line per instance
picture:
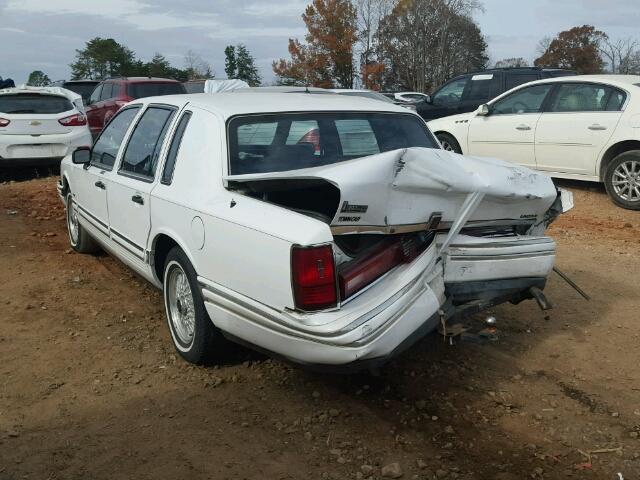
column 525, row 100
column 107, row 91
column 143, row 149
column 95, row 95
column 586, row 97
column 451, row 94
column 106, row 148
column 282, row 142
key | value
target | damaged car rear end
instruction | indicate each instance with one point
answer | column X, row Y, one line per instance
column 386, row 234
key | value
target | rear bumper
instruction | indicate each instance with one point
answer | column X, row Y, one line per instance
column 16, row 150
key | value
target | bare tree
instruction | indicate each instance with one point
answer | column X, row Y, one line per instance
column 425, row 42
column 511, row 63
column 543, row 46
column 196, row 67
column 369, row 13
column 622, row 56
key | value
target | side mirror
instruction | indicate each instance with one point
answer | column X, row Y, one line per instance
column 81, row 156
column 428, row 99
column 483, row 110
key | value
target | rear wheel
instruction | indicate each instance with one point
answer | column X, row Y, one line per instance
column 622, row 180
column 194, row 335
column 449, row 143
column 79, row 238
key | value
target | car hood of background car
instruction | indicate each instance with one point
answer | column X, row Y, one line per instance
column 405, row 187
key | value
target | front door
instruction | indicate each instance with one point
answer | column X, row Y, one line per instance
column 575, row 127
column 129, row 193
column 92, row 193
column 508, row 132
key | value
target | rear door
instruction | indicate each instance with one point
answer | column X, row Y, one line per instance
column 575, row 127
column 92, row 191
column 131, row 187
column 508, row 132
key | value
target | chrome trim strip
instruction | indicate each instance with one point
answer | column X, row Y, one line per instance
column 513, row 256
column 92, row 217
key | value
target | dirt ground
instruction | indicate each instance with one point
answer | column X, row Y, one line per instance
column 91, row 388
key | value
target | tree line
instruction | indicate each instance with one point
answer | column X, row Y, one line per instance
column 104, row 57
column 420, row 44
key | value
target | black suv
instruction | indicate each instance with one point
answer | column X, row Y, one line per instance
column 467, row 92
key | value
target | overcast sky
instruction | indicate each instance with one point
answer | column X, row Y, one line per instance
column 43, row 34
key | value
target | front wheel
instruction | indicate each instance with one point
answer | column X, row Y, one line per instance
column 194, row 335
column 448, row 143
column 622, row 180
column 79, row 238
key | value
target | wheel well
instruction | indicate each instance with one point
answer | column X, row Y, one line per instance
column 451, row 135
column 614, row 151
column 162, row 246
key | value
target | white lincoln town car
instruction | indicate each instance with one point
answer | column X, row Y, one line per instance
column 327, row 230
column 582, row 128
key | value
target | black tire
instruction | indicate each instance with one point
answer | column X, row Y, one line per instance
column 622, row 180
column 448, row 142
column 79, row 238
column 206, row 341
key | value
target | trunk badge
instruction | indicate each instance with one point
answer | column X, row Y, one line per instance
column 35, row 123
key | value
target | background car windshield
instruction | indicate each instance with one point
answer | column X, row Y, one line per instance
column 281, row 142
column 141, row 90
column 34, row 103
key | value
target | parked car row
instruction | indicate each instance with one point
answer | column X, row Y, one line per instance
column 326, row 229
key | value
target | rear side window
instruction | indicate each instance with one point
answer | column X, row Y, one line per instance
column 140, row 90
column 34, row 103
column 586, row 97
column 106, row 148
column 482, row 87
column 514, row 80
column 95, row 95
column 170, row 164
column 141, row 155
column 357, row 138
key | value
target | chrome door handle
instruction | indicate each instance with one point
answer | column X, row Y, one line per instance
column 595, row 126
column 101, row 185
column 523, row 127
column 137, row 199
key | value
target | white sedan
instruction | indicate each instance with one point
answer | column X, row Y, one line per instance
column 327, row 230
column 582, row 128
column 40, row 125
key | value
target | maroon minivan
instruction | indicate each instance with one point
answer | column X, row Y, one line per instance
column 113, row 93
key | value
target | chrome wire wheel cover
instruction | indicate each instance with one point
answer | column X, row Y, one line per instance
column 447, row 146
column 180, row 304
column 626, row 180
column 72, row 221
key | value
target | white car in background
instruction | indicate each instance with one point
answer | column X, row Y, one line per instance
column 582, row 128
column 354, row 92
column 343, row 250
column 40, row 125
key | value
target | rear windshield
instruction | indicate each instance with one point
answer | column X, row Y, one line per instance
column 140, row 90
column 34, row 103
column 282, row 142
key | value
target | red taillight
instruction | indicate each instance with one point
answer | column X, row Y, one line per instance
column 4, row 122
column 360, row 273
column 313, row 277
column 312, row 137
column 76, row 120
